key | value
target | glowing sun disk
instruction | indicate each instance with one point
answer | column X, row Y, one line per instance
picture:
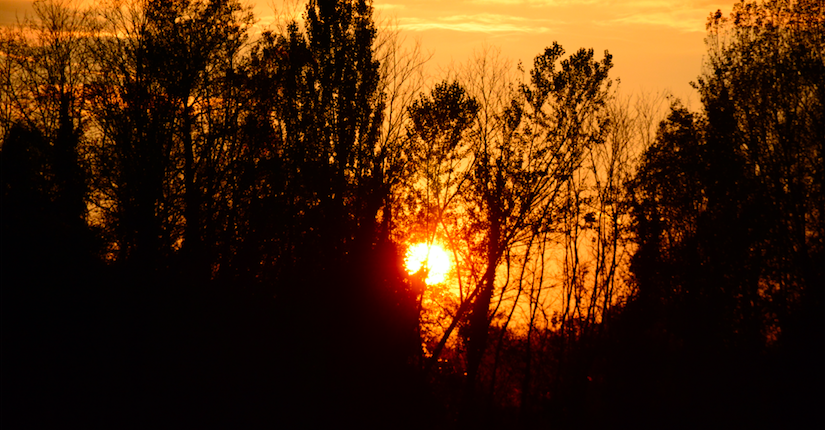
column 434, row 257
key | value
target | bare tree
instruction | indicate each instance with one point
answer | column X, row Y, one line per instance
column 45, row 69
column 525, row 144
column 402, row 78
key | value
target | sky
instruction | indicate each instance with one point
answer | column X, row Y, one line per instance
column 657, row 45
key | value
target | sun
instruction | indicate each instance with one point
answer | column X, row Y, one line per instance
column 433, row 256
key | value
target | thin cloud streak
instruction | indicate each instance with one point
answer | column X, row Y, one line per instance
column 492, row 18
column 687, row 17
column 481, row 23
column 682, row 16
column 535, row 3
column 388, row 7
column 684, row 21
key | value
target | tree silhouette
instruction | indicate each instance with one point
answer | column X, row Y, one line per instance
column 519, row 177
column 722, row 263
column 47, row 66
column 504, row 174
column 166, row 105
column 47, row 249
column 326, row 181
column 209, row 222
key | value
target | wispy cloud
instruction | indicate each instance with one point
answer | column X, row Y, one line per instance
column 496, row 18
column 685, row 17
column 482, row 22
column 535, row 2
column 519, row 16
column 386, row 7
column 679, row 21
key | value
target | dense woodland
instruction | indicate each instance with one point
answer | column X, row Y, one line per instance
column 204, row 225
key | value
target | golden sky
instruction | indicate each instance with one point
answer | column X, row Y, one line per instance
column 8, row 9
column 656, row 44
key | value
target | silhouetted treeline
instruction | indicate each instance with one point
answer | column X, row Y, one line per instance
column 205, row 228
column 728, row 210
column 189, row 220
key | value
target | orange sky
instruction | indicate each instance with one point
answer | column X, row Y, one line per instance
column 656, row 44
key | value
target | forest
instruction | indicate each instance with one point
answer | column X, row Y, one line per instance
column 205, row 225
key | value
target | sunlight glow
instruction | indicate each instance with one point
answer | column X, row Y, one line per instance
column 434, row 257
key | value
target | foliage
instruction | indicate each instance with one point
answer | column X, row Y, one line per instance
column 738, row 190
column 728, row 205
column 213, row 220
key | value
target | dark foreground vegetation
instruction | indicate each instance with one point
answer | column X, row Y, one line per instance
column 202, row 228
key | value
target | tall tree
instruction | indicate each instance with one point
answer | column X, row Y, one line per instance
column 521, row 146
column 520, row 177
column 165, row 106
column 443, row 160
column 46, row 67
column 729, row 202
column 749, row 172
column 332, row 173
column 327, row 117
column 48, row 253
column 764, row 94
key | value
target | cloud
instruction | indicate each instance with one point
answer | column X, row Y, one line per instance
column 383, row 7
column 680, row 21
column 495, row 18
column 482, row 23
column 535, row 3
column 682, row 16
column 522, row 16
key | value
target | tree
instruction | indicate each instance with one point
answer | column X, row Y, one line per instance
column 440, row 122
column 763, row 93
column 325, row 178
column 165, row 105
column 327, row 118
column 750, row 153
column 48, row 252
column 560, row 119
column 728, row 202
column 46, row 67
column 521, row 146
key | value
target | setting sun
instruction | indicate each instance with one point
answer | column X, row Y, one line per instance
column 436, row 259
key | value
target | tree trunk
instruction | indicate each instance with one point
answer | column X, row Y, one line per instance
column 479, row 320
